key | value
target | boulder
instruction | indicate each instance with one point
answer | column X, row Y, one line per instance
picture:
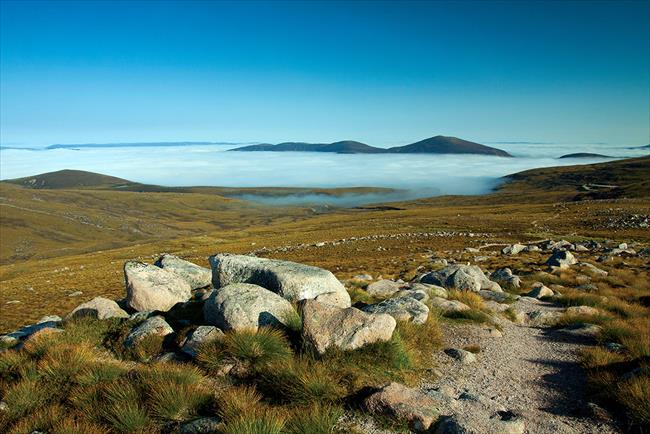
column 532, row 248
column 592, row 269
column 383, row 288
column 242, row 306
column 465, row 357
column 543, row 318
column 461, row 277
column 582, row 310
column 196, row 276
column 448, row 305
column 325, row 326
column 151, row 288
column 562, row 259
column 202, row 425
column 405, row 404
column 500, row 297
column 100, row 308
column 292, row 281
column 429, row 289
column 513, row 249
column 583, row 330
column 154, row 326
column 417, row 294
column 198, row 337
column 402, row 309
column 505, row 278
column 362, row 277
column 540, row 291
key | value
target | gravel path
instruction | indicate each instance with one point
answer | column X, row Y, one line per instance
column 530, row 372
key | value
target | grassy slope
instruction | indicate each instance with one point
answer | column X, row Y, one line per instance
column 195, row 226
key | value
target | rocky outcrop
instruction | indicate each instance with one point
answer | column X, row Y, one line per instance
column 405, row 404
column 292, row 281
column 151, row 288
column 100, row 308
column 196, row 276
column 154, row 326
column 242, row 306
column 325, row 326
column 461, row 277
column 404, row 308
column 562, row 259
column 383, row 288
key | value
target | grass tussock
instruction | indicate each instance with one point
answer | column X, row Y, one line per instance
column 316, row 419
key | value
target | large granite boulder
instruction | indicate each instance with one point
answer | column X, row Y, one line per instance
column 325, row 326
column 152, row 288
column 154, row 326
column 405, row 404
column 461, row 277
column 292, row 281
column 196, row 276
column 562, row 259
column 404, row 308
column 242, row 306
column 100, row 308
column 383, row 288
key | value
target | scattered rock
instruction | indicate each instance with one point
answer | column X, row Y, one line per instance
column 402, row 309
column 196, row 276
column 154, row 326
column 291, row 280
column 403, row 403
column 100, row 308
column 325, row 326
column 461, row 277
column 505, row 278
column 199, row 336
column 540, row 291
column 448, row 305
column 465, row 357
column 151, row 288
column 241, row 306
column 562, row 259
column 383, row 288
column 513, row 249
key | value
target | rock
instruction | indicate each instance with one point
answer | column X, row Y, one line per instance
column 540, row 291
column 562, row 259
column 513, row 249
column 154, row 326
column 325, row 326
column 448, row 305
column 582, row 310
column 588, row 287
column 495, row 333
column 100, row 308
column 291, row 280
column 202, row 425
column 461, row 277
column 504, row 422
column 199, row 336
column 542, row 318
column 196, row 276
column 592, row 268
column 141, row 316
column 465, row 357
column 497, row 296
column 383, row 288
column 242, row 306
column 402, row 309
column 614, row 347
column 495, row 306
column 583, row 330
column 25, row 332
column 151, row 288
column 75, row 294
column 405, row 404
column 362, row 277
column 581, row 248
column 50, row 318
column 419, row 295
column 429, row 289
column 505, row 278
column 533, row 248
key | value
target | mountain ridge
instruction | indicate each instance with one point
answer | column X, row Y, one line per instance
column 432, row 145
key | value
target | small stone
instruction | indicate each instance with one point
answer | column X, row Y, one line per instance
column 465, row 357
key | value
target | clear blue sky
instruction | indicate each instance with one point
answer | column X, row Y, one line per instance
column 380, row 72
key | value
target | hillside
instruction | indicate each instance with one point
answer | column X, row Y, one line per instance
column 433, row 145
column 68, row 179
column 585, row 155
column 447, row 145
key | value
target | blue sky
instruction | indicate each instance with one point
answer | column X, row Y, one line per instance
column 380, row 72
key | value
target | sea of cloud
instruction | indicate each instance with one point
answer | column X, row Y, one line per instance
column 416, row 175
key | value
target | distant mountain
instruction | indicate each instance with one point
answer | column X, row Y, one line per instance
column 585, row 155
column 343, row 147
column 447, row 145
column 433, row 145
column 68, row 179
column 134, row 145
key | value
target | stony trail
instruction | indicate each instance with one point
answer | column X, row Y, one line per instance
column 529, row 371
